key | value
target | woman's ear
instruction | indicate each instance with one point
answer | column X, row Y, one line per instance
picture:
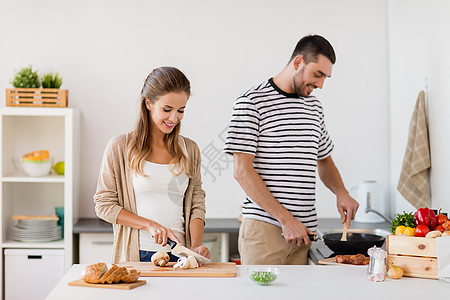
column 147, row 104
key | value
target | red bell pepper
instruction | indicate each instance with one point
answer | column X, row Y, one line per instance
column 425, row 216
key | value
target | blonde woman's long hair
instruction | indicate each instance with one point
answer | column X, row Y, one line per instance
column 158, row 83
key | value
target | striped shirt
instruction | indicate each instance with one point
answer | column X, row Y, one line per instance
column 287, row 135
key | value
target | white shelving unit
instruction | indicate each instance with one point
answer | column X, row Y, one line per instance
column 26, row 129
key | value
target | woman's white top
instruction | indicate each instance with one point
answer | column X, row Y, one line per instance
column 159, row 197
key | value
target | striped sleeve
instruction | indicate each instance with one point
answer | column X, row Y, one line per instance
column 325, row 144
column 243, row 131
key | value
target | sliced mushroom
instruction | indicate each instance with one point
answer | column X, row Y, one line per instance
column 181, row 263
column 186, row 263
column 160, row 259
column 191, row 262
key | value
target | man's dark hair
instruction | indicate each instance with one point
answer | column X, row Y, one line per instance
column 311, row 46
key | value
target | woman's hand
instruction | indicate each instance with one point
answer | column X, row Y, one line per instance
column 161, row 233
column 202, row 250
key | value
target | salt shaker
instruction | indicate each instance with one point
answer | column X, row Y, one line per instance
column 377, row 265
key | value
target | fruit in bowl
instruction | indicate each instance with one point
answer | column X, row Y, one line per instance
column 263, row 275
column 39, row 155
column 37, row 163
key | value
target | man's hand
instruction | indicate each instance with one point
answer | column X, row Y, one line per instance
column 295, row 232
column 347, row 207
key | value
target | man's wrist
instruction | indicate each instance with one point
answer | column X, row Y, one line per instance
column 342, row 193
column 286, row 218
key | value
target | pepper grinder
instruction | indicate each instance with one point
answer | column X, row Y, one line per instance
column 377, row 265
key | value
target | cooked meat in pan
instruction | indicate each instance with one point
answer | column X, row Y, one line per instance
column 358, row 259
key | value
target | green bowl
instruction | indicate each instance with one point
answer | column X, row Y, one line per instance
column 263, row 275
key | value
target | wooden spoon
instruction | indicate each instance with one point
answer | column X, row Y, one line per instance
column 344, row 233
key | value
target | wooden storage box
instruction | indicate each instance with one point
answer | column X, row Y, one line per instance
column 416, row 255
column 37, row 97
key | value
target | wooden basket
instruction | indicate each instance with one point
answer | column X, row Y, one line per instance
column 415, row 255
column 37, row 97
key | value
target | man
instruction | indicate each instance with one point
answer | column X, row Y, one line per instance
column 278, row 139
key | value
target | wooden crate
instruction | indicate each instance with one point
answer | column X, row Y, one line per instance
column 37, row 97
column 415, row 255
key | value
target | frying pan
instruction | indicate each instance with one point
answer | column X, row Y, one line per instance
column 356, row 242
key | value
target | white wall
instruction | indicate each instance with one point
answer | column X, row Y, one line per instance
column 105, row 49
column 419, row 60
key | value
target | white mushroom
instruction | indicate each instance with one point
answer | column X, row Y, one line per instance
column 160, row 259
column 192, row 262
column 181, row 263
column 433, row 234
column 186, row 263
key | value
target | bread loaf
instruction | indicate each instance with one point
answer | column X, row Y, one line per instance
column 99, row 273
column 93, row 273
column 107, row 274
column 131, row 276
column 117, row 273
column 123, row 272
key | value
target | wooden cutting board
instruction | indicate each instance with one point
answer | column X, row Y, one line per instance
column 213, row 269
column 118, row 286
column 332, row 261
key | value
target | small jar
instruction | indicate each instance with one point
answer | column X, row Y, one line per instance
column 376, row 270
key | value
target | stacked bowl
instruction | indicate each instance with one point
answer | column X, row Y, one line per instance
column 37, row 163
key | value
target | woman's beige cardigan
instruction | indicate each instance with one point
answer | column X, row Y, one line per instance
column 115, row 192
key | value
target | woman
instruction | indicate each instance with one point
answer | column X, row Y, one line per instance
column 149, row 185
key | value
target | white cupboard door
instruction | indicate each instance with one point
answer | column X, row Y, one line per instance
column 96, row 247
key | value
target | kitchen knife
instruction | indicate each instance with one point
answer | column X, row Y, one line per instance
column 179, row 250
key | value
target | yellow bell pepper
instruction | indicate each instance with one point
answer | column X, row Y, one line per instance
column 403, row 230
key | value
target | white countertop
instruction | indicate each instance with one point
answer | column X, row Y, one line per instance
column 296, row 282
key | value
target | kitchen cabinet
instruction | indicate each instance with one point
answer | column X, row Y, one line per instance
column 26, row 129
column 96, row 247
column 26, row 266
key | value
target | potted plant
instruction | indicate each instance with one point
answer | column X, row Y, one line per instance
column 27, row 91
column 51, row 80
column 26, row 78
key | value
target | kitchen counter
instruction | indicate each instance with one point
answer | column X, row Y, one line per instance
column 310, row 282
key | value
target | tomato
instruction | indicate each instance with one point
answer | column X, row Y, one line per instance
column 446, row 225
column 441, row 219
column 439, row 228
column 422, row 230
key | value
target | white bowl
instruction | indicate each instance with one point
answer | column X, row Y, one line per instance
column 37, row 168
